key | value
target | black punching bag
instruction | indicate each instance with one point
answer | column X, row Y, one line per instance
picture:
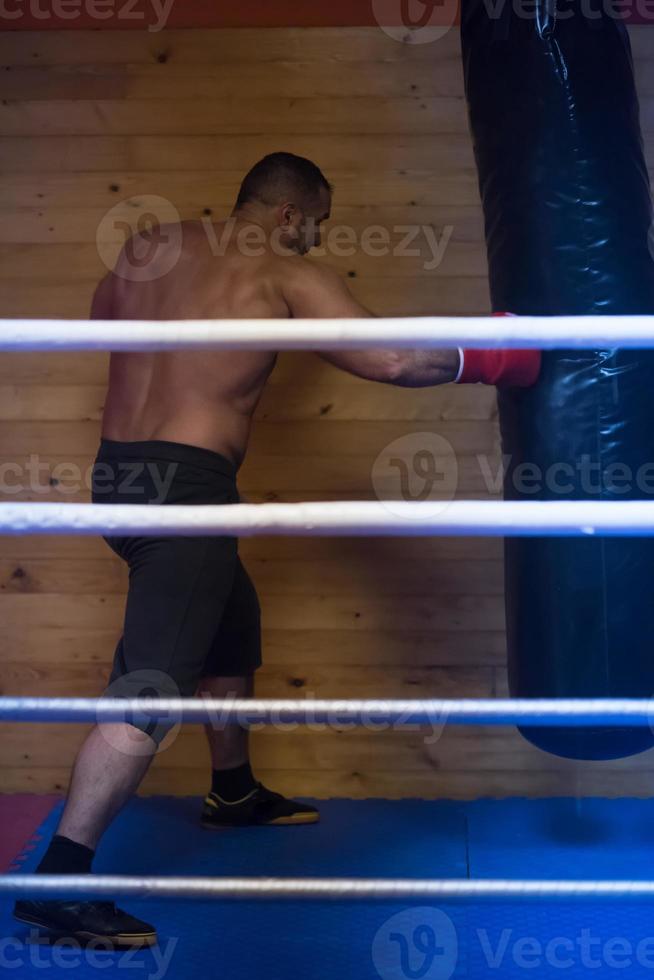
column 555, row 123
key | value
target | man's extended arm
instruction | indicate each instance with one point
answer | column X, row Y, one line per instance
column 316, row 292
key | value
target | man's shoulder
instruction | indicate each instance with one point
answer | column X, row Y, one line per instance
column 302, row 269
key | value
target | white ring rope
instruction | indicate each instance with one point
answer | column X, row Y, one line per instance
column 496, row 518
column 541, row 712
column 359, row 334
column 317, row 889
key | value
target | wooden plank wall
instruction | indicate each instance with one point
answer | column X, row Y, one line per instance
column 91, row 120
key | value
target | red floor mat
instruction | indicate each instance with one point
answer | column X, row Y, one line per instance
column 20, row 816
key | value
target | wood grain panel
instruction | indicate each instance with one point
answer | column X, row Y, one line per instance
column 428, row 116
column 220, row 47
column 157, row 117
column 294, row 80
column 361, row 154
column 195, row 186
column 334, row 46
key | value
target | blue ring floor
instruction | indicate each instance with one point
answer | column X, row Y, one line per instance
column 516, row 838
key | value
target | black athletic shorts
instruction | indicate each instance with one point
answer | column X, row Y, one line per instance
column 192, row 610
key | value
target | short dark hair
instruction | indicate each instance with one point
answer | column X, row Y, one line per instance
column 281, row 177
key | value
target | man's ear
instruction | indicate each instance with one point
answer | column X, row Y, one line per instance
column 288, row 213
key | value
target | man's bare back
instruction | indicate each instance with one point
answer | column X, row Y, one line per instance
column 200, row 398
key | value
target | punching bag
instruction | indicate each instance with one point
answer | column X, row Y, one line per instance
column 555, row 123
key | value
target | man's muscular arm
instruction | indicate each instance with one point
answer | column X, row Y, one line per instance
column 317, row 292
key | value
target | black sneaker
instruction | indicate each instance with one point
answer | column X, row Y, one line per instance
column 87, row 921
column 260, row 808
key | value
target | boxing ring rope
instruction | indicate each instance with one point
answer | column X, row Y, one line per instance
column 498, row 518
column 550, row 712
column 282, row 335
column 318, row 889
column 489, row 518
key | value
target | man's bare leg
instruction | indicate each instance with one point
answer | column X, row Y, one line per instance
column 108, row 770
column 229, row 744
column 236, row 798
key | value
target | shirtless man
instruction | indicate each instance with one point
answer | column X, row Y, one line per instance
column 179, row 422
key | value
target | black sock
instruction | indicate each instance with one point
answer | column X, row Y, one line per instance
column 233, row 784
column 66, row 857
